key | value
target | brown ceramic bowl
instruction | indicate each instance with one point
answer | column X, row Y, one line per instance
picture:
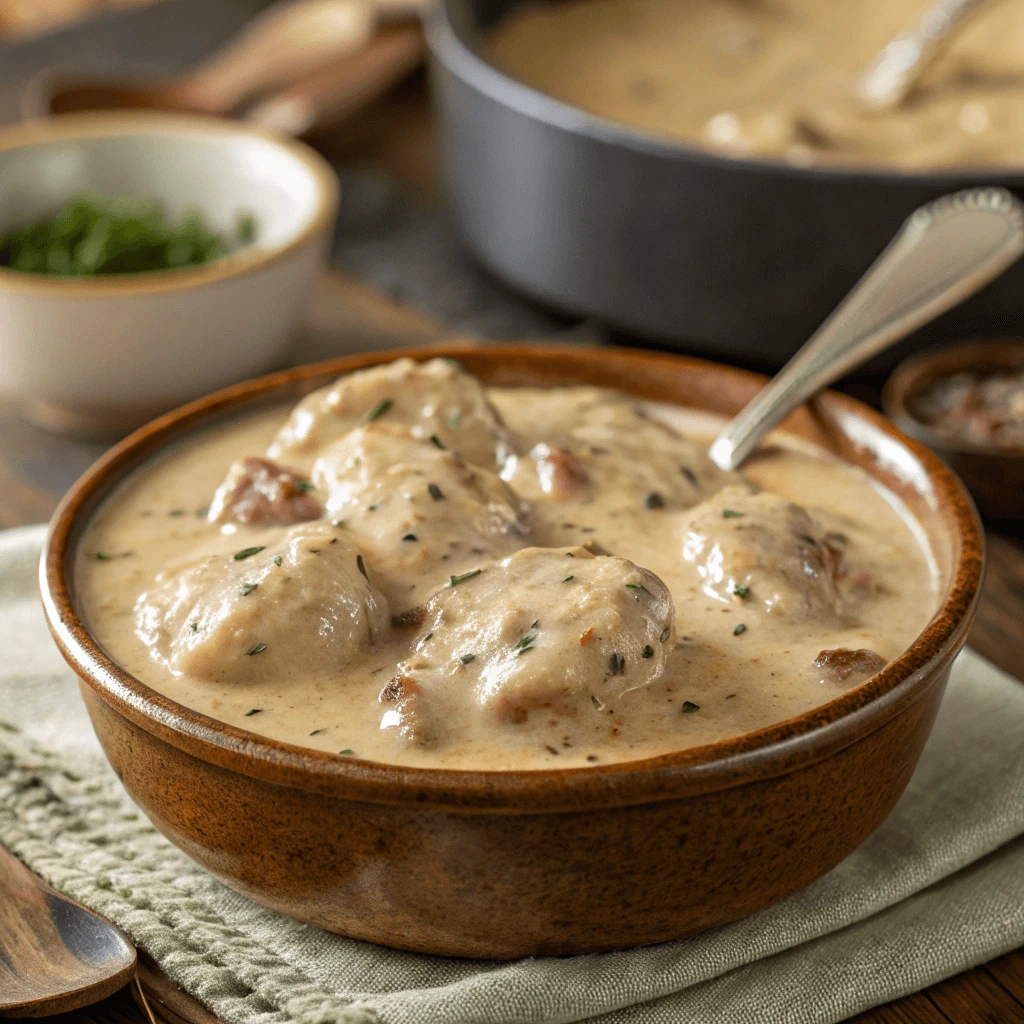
column 508, row 864
column 994, row 474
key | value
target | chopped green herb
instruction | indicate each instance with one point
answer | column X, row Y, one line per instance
column 689, row 474
column 429, row 635
column 436, row 442
column 347, row 750
column 248, row 588
column 689, row 707
column 316, row 732
column 454, row 362
column 245, row 226
column 91, row 235
column 176, row 512
column 256, row 649
column 314, row 551
column 740, row 628
column 253, row 711
column 410, row 537
column 647, row 652
column 526, row 643
column 248, row 552
column 456, row 580
column 728, row 695
column 467, row 658
column 617, row 664
column 535, row 624
column 454, row 421
column 8, row 727
column 567, row 578
column 305, row 485
column 435, row 492
column 731, row 513
column 639, row 588
column 195, row 627
column 361, row 566
column 102, row 556
column 278, row 559
column 741, row 591
column 379, row 410
column 654, row 500
column 338, row 522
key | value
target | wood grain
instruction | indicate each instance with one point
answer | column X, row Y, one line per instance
column 54, row 954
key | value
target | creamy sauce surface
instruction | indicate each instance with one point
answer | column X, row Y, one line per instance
column 581, row 586
column 775, row 78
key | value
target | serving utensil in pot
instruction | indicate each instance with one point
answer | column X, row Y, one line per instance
column 945, row 251
column 55, row 955
column 889, row 78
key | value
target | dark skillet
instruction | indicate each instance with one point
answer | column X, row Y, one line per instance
column 741, row 259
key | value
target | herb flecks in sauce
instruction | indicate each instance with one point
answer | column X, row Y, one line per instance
column 378, row 410
column 689, row 707
column 248, row 552
column 456, row 580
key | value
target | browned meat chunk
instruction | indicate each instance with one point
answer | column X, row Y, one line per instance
column 840, row 663
column 560, row 472
column 260, row 492
column 406, row 714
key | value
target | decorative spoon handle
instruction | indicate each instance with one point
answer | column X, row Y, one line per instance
column 944, row 253
column 892, row 74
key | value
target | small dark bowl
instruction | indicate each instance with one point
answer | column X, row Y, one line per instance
column 517, row 863
column 994, row 474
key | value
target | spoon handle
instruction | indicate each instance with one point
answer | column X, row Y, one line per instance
column 892, row 74
column 944, row 252
column 279, row 45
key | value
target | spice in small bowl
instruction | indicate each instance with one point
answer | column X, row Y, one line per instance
column 966, row 402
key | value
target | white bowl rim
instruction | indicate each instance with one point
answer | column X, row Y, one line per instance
column 112, row 124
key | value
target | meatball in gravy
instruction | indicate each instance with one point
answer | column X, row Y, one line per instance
column 411, row 568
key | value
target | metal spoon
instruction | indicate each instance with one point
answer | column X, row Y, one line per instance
column 944, row 252
column 889, row 78
column 55, row 955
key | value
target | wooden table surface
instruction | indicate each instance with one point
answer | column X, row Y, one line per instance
column 36, row 468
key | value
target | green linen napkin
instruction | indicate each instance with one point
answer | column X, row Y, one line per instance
column 937, row 889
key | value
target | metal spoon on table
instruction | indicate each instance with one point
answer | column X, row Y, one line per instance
column 890, row 77
column 944, row 253
column 55, row 955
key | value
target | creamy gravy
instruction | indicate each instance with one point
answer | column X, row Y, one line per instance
column 775, row 77
column 631, row 599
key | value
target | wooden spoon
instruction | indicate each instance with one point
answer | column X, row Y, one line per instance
column 328, row 96
column 55, row 955
column 286, row 41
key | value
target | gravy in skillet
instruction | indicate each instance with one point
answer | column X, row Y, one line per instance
column 775, row 78
column 413, row 569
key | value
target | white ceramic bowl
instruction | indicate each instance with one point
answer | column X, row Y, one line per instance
column 108, row 352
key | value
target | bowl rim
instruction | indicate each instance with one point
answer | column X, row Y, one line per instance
column 765, row 753
column 117, row 124
column 447, row 47
column 925, row 367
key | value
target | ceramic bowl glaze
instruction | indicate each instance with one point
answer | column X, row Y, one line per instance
column 508, row 864
column 104, row 354
column 994, row 474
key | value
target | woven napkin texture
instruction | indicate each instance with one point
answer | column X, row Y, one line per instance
column 937, row 889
